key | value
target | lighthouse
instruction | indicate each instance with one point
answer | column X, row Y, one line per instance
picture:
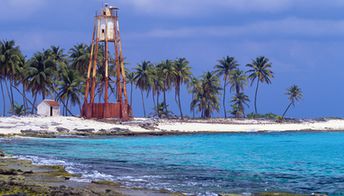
column 106, row 36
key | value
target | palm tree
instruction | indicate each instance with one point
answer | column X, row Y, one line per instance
column 155, row 86
column 294, row 94
column 181, row 76
column 143, row 79
column 224, row 68
column 58, row 54
column 20, row 78
column 79, row 56
column 166, row 73
column 2, row 77
column 238, row 81
column 40, row 76
column 3, row 96
column 69, row 88
column 260, row 70
column 131, row 80
column 239, row 102
column 206, row 95
column 10, row 55
column 193, row 87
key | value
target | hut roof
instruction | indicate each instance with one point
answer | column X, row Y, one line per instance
column 52, row 103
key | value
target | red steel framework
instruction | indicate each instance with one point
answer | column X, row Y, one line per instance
column 106, row 30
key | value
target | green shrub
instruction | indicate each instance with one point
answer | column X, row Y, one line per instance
column 264, row 116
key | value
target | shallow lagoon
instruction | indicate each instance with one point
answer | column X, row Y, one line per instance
column 203, row 163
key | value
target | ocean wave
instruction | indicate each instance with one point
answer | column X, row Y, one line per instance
column 87, row 175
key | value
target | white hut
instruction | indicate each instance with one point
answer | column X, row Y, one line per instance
column 48, row 108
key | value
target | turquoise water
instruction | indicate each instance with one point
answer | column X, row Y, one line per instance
column 202, row 164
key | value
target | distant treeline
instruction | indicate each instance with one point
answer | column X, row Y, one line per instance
column 61, row 75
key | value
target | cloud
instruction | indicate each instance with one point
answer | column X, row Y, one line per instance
column 198, row 7
column 285, row 28
column 19, row 9
column 36, row 40
column 190, row 7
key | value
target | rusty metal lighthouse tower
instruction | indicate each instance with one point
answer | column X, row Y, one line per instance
column 106, row 31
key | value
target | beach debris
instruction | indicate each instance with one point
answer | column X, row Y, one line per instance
column 85, row 130
column 62, row 130
column 149, row 125
column 2, row 154
column 34, row 132
column 119, row 130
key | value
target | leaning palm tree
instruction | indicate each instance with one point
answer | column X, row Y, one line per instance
column 181, row 76
column 294, row 94
column 239, row 102
column 10, row 55
column 206, row 95
column 2, row 77
column 260, row 70
column 224, row 68
column 143, row 80
column 20, row 78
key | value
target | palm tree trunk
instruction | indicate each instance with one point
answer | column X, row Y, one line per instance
column 255, row 98
column 193, row 109
column 23, row 95
column 8, row 94
column 157, row 98
column 241, row 110
column 237, row 89
column 66, row 108
column 143, row 104
column 224, row 96
column 34, row 103
column 3, row 98
column 131, row 94
column 165, row 105
column 180, row 104
column 26, row 99
column 12, row 97
column 154, row 103
column 285, row 112
column 67, row 105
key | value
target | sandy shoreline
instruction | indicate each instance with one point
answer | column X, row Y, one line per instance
column 79, row 126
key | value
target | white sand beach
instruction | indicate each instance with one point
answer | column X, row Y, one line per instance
column 18, row 125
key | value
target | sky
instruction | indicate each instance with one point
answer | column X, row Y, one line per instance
column 304, row 40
